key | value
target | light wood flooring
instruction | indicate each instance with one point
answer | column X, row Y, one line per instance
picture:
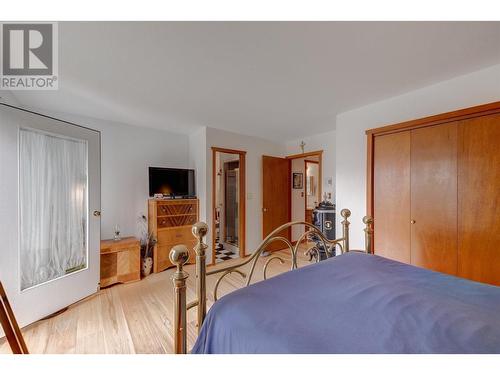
column 130, row 318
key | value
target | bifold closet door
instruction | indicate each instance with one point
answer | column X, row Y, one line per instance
column 479, row 199
column 391, row 193
column 434, row 198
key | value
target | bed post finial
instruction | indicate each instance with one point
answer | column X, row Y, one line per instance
column 179, row 256
column 368, row 221
column 345, row 213
column 200, row 230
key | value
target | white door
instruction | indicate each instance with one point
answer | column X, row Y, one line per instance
column 49, row 191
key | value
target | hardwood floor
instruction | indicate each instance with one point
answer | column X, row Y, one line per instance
column 129, row 318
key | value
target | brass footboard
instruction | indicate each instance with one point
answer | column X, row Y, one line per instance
column 179, row 256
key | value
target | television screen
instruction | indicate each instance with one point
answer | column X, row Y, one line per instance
column 170, row 181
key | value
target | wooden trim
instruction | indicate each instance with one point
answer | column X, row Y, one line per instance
column 214, row 176
column 461, row 114
column 318, row 153
column 243, row 214
column 320, row 182
column 229, row 150
column 305, row 189
column 10, row 326
column 320, row 175
column 305, row 155
column 442, row 118
column 369, row 173
column 242, row 199
column 289, row 201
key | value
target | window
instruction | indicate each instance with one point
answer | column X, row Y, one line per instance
column 53, row 190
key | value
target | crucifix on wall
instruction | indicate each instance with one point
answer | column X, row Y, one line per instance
column 302, row 145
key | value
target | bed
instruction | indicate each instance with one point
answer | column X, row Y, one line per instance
column 355, row 303
column 352, row 303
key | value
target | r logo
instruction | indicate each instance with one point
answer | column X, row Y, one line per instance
column 27, row 49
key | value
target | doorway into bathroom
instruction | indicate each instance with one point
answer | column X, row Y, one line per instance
column 228, row 207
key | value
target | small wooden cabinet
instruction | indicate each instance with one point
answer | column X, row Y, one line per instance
column 171, row 222
column 120, row 261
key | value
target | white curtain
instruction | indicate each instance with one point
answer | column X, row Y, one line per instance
column 53, row 206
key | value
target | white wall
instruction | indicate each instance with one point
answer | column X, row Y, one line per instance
column 325, row 142
column 465, row 91
column 198, row 162
column 255, row 148
column 8, row 98
column 126, row 153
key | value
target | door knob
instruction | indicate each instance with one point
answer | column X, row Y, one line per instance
column 97, row 213
column 412, row 221
column 264, row 209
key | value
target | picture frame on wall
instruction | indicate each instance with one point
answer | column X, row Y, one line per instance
column 298, row 180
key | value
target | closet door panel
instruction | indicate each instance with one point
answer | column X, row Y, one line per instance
column 479, row 199
column 391, row 191
column 434, row 198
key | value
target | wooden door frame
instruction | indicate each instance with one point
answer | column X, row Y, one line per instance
column 242, row 199
column 225, row 169
column 305, row 155
column 305, row 185
column 442, row 118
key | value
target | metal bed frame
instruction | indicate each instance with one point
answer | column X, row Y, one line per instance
column 179, row 256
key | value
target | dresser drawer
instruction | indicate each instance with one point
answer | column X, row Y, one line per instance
column 169, row 208
column 175, row 236
column 171, row 222
column 175, row 221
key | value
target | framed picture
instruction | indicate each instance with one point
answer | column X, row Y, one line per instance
column 298, row 180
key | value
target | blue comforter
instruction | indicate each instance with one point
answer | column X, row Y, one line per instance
column 356, row 303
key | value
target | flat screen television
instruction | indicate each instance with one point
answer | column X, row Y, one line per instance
column 171, row 182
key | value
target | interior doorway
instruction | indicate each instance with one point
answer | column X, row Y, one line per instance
column 306, row 188
column 284, row 192
column 228, row 204
column 312, row 187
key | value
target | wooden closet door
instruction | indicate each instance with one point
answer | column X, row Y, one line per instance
column 434, row 198
column 391, row 193
column 479, row 199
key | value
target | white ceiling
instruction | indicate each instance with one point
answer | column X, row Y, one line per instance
column 277, row 80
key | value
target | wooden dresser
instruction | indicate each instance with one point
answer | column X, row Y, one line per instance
column 171, row 221
column 120, row 261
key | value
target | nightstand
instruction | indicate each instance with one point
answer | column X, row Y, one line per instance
column 120, row 261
